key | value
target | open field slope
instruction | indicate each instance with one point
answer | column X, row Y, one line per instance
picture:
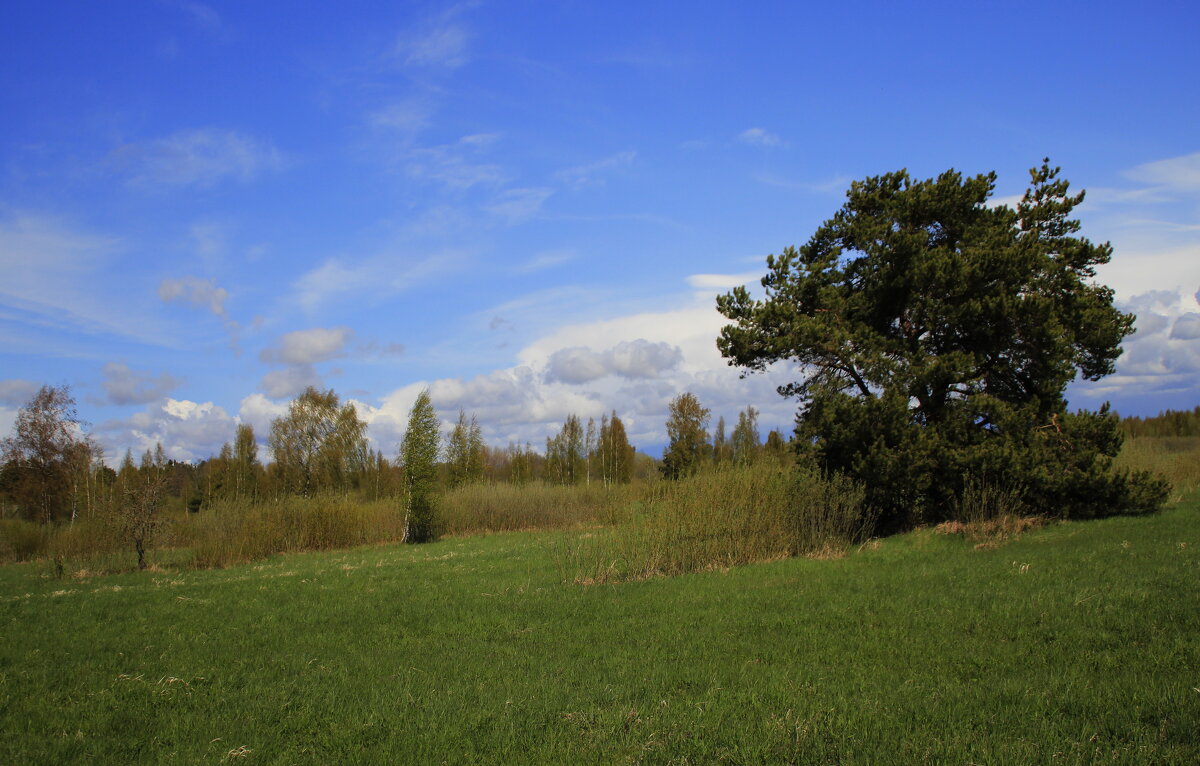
column 1077, row 643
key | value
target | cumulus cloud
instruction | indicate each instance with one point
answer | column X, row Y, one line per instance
column 309, row 346
column 258, row 411
column 1186, row 327
column 15, row 392
column 200, row 157
column 194, row 291
column 187, row 430
column 759, row 137
column 125, row 386
column 629, row 359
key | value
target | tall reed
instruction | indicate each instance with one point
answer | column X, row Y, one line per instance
column 487, row 507
column 721, row 519
column 1175, row 458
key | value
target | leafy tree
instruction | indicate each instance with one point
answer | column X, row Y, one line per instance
column 614, row 454
column 745, row 437
column 418, row 456
column 246, row 468
column 939, row 334
column 48, row 455
column 722, row 449
column 520, row 463
column 318, row 444
column 464, row 451
column 565, row 457
column 687, row 424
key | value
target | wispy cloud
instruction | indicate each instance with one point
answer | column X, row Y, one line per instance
column 55, row 276
column 455, row 166
column 204, row 16
column 834, row 185
column 760, row 137
column 593, row 173
column 515, row 205
column 202, row 157
column 1182, row 173
column 546, row 260
column 440, row 44
column 389, row 273
column 409, row 116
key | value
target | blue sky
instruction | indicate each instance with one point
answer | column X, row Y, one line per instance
column 529, row 207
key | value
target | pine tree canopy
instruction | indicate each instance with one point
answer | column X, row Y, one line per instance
column 937, row 334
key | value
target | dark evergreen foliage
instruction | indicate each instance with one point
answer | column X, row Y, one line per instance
column 938, row 334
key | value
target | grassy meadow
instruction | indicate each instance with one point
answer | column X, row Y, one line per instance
column 1074, row 643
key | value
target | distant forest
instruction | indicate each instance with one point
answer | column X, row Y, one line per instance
column 1166, row 423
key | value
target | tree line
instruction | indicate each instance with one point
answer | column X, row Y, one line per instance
column 53, row 471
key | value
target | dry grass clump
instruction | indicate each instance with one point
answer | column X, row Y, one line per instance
column 991, row 533
column 990, row 514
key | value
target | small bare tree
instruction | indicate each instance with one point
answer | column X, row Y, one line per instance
column 135, row 513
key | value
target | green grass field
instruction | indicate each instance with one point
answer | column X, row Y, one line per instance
column 1077, row 643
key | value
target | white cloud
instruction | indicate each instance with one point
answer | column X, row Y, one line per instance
column 1177, row 172
column 187, row 430
column 629, row 359
column 258, row 411
column 1186, row 327
column 759, row 137
column 722, row 282
column 194, row 291
column 308, row 346
column 1135, row 270
column 125, row 386
column 290, row 381
column 15, row 392
column 633, row 363
column 200, row 157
